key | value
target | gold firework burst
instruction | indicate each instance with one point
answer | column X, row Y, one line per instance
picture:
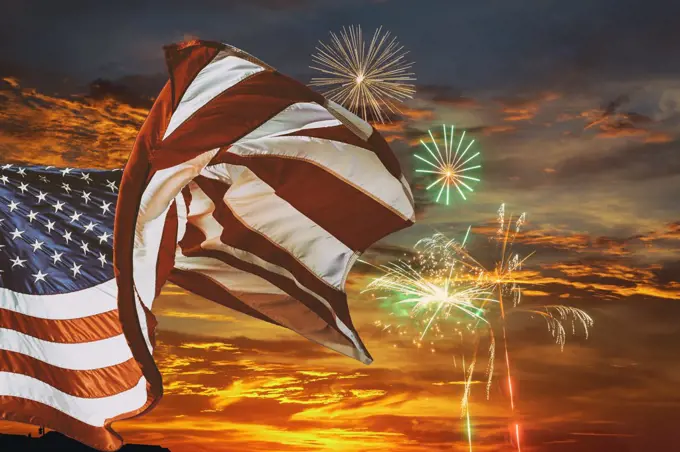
column 369, row 80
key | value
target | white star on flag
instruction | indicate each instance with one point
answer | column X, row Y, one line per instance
column 75, row 269
column 17, row 261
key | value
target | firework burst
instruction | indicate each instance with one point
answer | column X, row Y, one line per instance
column 452, row 169
column 368, row 80
column 444, row 282
column 435, row 285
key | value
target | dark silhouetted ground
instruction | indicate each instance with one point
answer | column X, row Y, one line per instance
column 54, row 441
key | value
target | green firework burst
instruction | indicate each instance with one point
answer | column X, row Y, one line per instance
column 452, row 168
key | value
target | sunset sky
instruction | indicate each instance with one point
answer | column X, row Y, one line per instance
column 525, row 78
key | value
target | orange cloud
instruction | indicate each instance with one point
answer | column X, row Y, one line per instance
column 48, row 130
column 390, row 127
column 585, row 243
column 607, row 270
column 543, row 238
column 623, row 125
column 520, row 114
column 658, row 137
column 519, row 109
column 609, row 131
column 394, row 131
column 195, row 315
column 670, row 232
column 490, row 130
column 535, row 293
column 632, row 280
column 416, row 114
column 217, row 346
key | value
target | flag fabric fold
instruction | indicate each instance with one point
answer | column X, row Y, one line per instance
column 244, row 187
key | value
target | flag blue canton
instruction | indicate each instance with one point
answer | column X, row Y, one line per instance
column 56, row 228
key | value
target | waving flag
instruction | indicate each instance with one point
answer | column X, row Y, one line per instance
column 64, row 361
column 245, row 187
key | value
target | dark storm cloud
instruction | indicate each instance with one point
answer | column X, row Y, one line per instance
column 633, row 162
column 83, row 9
column 591, row 41
column 477, row 47
column 142, row 96
column 669, row 272
column 446, row 95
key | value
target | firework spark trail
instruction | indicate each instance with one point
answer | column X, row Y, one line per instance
column 465, row 402
column 500, row 269
column 369, row 82
column 449, row 167
column 554, row 321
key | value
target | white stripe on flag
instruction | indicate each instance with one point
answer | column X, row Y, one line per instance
column 223, row 72
column 409, row 194
column 259, row 208
column 74, row 305
column 74, row 356
column 92, row 411
column 364, row 128
column 182, row 215
column 299, row 116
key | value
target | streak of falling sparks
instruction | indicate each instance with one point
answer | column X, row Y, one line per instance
column 451, row 168
column 371, row 81
column 465, row 403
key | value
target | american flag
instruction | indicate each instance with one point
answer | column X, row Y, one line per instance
column 61, row 344
column 244, row 187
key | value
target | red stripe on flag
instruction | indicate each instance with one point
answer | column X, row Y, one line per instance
column 185, row 61
column 154, row 126
column 92, row 383
column 345, row 211
column 237, row 235
column 85, row 329
column 233, row 114
column 166, row 254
